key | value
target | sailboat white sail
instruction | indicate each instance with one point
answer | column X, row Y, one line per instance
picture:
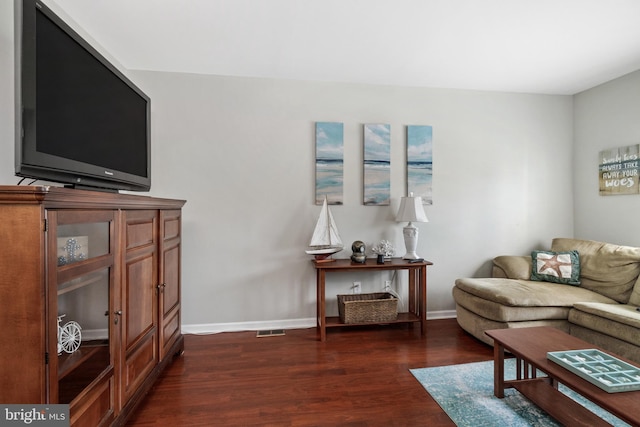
column 326, row 239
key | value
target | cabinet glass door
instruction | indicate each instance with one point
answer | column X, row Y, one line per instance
column 82, row 332
column 79, row 242
column 81, row 301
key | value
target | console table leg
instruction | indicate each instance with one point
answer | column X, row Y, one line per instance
column 414, row 299
column 320, row 305
column 422, row 304
column 498, row 370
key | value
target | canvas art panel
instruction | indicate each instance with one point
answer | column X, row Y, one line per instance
column 420, row 162
column 619, row 170
column 329, row 162
column 377, row 164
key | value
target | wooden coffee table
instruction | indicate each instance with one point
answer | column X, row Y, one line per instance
column 530, row 347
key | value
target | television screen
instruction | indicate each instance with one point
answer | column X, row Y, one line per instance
column 83, row 122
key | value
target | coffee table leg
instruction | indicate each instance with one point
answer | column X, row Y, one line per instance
column 498, row 370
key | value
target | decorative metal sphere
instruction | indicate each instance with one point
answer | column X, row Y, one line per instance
column 358, row 247
column 358, row 255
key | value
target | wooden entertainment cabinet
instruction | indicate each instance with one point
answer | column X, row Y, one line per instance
column 109, row 262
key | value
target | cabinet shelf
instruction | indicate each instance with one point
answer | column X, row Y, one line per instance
column 68, row 362
column 80, row 282
column 76, row 371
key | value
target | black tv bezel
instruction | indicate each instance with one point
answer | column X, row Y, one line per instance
column 30, row 163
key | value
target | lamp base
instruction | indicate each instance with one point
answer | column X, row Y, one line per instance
column 410, row 233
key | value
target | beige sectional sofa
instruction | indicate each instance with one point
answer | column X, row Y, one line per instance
column 601, row 309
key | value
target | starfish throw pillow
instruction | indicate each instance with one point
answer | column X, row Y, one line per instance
column 556, row 267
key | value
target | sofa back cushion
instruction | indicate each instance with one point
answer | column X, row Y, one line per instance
column 634, row 299
column 512, row 267
column 611, row 270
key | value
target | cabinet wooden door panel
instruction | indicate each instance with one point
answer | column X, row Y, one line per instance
column 95, row 408
column 139, row 286
column 171, row 282
column 170, row 299
column 139, row 290
column 170, row 245
column 140, row 361
column 140, row 232
column 171, row 224
column 170, row 330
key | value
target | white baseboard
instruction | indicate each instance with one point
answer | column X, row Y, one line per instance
column 214, row 328
column 442, row 314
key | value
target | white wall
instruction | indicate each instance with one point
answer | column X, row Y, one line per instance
column 606, row 116
column 241, row 151
column 7, row 115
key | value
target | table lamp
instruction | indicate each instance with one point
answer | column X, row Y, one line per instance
column 411, row 210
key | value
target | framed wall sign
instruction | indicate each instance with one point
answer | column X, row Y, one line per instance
column 619, row 170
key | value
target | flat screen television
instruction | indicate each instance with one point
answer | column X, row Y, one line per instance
column 79, row 120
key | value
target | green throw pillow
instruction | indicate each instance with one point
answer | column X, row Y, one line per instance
column 556, row 267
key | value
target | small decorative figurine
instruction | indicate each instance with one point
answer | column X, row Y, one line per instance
column 358, row 249
column 384, row 248
column 69, row 336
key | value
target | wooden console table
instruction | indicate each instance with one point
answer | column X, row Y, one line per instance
column 417, row 290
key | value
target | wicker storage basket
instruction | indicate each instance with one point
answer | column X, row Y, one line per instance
column 365, row 308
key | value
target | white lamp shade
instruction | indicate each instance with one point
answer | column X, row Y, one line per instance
column 411, row 210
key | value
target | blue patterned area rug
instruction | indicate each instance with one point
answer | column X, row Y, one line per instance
column 465, row 393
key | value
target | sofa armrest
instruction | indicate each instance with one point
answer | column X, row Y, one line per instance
column 512, row 267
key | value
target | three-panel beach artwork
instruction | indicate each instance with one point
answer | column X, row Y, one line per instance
column 377, row 163
column 329, row 162
column 420, row 162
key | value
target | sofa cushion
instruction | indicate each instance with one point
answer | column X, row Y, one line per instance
column 526, row 293
column 496, row 312
column 513, row 267
column 614, row 345
column 611, row 270
column 557, row 267
column 476, row 324
column 621, row 321
column 635, row 294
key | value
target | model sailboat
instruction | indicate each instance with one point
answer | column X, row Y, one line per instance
column 325, row 240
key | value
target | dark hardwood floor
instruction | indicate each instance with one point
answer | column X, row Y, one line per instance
column 358, row 377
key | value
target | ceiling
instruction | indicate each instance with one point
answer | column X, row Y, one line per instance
column 532, row 46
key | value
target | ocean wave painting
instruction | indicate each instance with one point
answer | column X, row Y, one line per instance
column 420, row 162
column 329, row 162
column 377, row 164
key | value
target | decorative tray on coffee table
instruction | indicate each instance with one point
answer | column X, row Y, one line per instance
column 599, row 368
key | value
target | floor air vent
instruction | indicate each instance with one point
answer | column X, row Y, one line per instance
column 271, row 333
